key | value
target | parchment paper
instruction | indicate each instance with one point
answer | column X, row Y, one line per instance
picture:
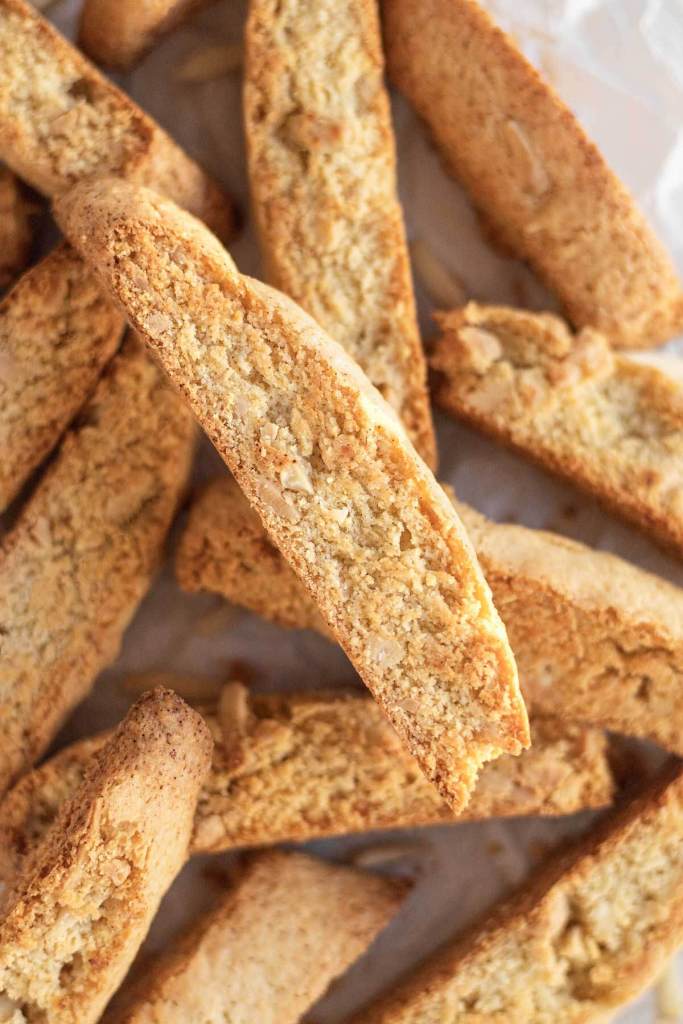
column 619, row 64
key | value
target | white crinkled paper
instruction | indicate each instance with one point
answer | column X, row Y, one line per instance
column 619, row 65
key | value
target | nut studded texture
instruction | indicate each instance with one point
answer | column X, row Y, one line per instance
column 62, row 121
column 284, row 932
column 323, row 177
column 16, row 233
column 84, row 900
column 531, row 169
column 57, row 332
column 330, row 471
column 83, row 552
column 595, row 639
column 118, row 32
column 606, row 423
column 586, row 935
column 306, row 765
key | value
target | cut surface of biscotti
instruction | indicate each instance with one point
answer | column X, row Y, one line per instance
column 330, row 470
column 595, row 639
column 271, row 946
column 532, row 171
column 606, row 423
column 586, row 935
column 16, row 233
column 81, row 906
column 119, row 32
column 300, row 766
column 322, row 168
column 62, row 121
column 84, row 549
column 57, row 332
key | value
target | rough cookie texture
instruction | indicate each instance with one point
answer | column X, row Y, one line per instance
column 331, row 472
column 323, row 178
column 287, row 928
column 81, row 907
column 295, row 767
column 604, row 422
column 62, row 121
column 83, row 552
column 595, row 639
column 531, row 169
column 586, row 935
column 16, row 233
column 118, row 32
column 57, row 332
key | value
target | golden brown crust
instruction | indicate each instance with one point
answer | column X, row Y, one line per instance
column 289, row 926
column 329, row 469
column 322, row 168
column 83, row 902
column 587, row 934
column 610, row 425
column 296, row 767
column 62, row 121
column 532, row 170
column 16, row 232
column 57, row 332
column 118, row 33
column 595, row 639
column 84, row 550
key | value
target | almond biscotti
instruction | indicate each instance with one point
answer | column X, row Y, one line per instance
column 531, row 169
column 271, row 946
column 16, row 233
column 331, row 472
column 83, row 552
column 300, row 766
column 587, row 934
column 57, row 332
column 595, row 639
column 322, row 167
column 62, row 121
column 606, row 423
column 118, row 32
column 76, row 915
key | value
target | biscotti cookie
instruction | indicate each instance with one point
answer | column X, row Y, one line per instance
column 62, row 121
column 16, row 233
column 531, row 169
column 322, row 167
column 57, row 332
column 270, row 948
column 83, row 552
column 331, row 472
column 118, row 32
column 604, row 422
column 586, row 935
column 79, row 910
column 296, row 767
column 595, row 639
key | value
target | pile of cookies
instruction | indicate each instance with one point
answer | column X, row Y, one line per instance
column 138, row 330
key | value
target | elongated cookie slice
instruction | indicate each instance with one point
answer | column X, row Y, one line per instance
column 84, row 550
column 322, row 166
column 82, row 904
column 270, row 947
column 329, row 468
column 606, row 423
column 295, row 767
column 531, row 169
column 62, row 121
column 595, row 639
column 57, row 332
column 118, row 32
column 16, row 233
